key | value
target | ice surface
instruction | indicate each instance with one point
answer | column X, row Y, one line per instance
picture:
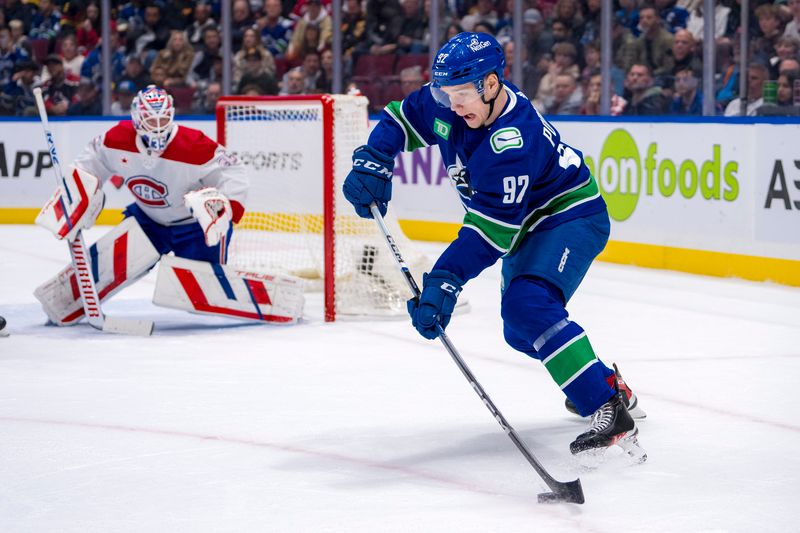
column 214, row 425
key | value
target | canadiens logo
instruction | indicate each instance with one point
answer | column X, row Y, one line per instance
column 149, row 191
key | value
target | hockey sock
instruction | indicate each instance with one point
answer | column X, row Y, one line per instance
column 569, row 358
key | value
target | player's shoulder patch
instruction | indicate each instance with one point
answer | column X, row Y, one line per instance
column 507, row 138
column 121, row 137
column 190, row 146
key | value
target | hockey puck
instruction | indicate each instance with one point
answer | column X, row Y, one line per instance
column 3, row 329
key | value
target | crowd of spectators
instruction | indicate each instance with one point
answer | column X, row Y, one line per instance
column 284, row 47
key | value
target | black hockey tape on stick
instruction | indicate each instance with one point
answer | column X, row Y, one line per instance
column 570, row 491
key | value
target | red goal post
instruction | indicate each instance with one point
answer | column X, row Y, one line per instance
column 298, row 152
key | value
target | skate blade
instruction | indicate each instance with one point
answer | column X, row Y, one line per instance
column 626, row 451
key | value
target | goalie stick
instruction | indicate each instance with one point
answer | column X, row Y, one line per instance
column 570, row 491
column 81, row 261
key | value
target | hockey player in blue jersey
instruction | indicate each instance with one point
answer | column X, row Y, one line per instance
column 530, row 201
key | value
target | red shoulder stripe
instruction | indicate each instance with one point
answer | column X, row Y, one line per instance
column 122, row 137
column 190, row 146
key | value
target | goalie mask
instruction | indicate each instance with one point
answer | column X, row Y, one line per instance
column 152, row 112
column 467, row 58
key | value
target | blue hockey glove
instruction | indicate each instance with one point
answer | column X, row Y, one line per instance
column 440, row 290
column 369, row 181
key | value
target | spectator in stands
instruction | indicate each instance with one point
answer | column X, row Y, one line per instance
column 384, row 20
column 354, row 30
column 530, row 76
column 591, row 25
column 19, row 10
column 622, row 43
column 411, row 79
column 294, row 82
column 252, row 48
column 152, row 37
column 757, row 74
column 254, row 72
column 567, row 97
column 18, row 36
column 123, row 98
column 158, row 76
column 92, row 64
column 772, row 24
column 325, row 79
column 726, row 73
column 688, row 99
column 682, row 54
column 17, row 97
column 793, row 27
column 276, row 30
column 786, row 48
column 696, row 21
column 10, row 55
column 653, row 47
column 202, row 21
column 88, row 31
column 565, row 56
column 413, row 37
column 243, row 20
column 569, row 13
column 135, row 73
column 87, row 100
column 72, row 59
column 451, row 31
column 785, row 98
column 482, row 11
column 538, row 39
column 591, row 102
column 628, row 16
column 207, row 104
column 176, row 60
column 203, row 62
column 788, row 65
column 562, row 33
column 46, row 21
column 312, row 71
column 591, row 61
column 315, row 16
column 645, row 98
column 674, row 16
column 57, row 91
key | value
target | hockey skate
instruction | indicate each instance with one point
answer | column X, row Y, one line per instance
column 629, row 397
column 611, row 424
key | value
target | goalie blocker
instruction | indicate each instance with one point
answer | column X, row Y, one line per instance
column 214, row 289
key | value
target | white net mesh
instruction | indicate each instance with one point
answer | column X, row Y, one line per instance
column 283, row 144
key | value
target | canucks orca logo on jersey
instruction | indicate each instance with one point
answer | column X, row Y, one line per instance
column 460, row 176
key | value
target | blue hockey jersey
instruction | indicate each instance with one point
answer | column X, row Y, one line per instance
column 513, row 177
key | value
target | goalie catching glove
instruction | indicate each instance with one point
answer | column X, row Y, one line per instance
column 369, row 181
column 74, row 206
column 213, row 212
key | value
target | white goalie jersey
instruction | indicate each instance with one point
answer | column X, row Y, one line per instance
column 190, row 161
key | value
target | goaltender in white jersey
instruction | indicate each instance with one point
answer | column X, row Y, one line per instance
column 187, row 191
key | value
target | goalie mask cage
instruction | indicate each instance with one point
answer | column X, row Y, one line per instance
column 298, row 151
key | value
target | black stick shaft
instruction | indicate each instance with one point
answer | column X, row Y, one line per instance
column 571, row 490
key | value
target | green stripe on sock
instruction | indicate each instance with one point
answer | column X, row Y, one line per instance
column 570, row 359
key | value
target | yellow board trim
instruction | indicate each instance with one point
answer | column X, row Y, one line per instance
column 783, row 271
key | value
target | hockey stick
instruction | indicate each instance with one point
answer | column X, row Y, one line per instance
column 570, row 491
column 81, row 261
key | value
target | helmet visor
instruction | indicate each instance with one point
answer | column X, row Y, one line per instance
column 457, row 95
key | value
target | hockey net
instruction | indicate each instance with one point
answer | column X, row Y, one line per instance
column 298, row 152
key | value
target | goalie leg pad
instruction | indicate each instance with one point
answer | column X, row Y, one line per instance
column 206, row 288
column 118, row 258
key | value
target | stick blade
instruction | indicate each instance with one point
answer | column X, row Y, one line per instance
column 570, row 492
column 128, row 326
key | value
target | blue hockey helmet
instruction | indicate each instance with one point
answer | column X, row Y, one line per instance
column 466, row 58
